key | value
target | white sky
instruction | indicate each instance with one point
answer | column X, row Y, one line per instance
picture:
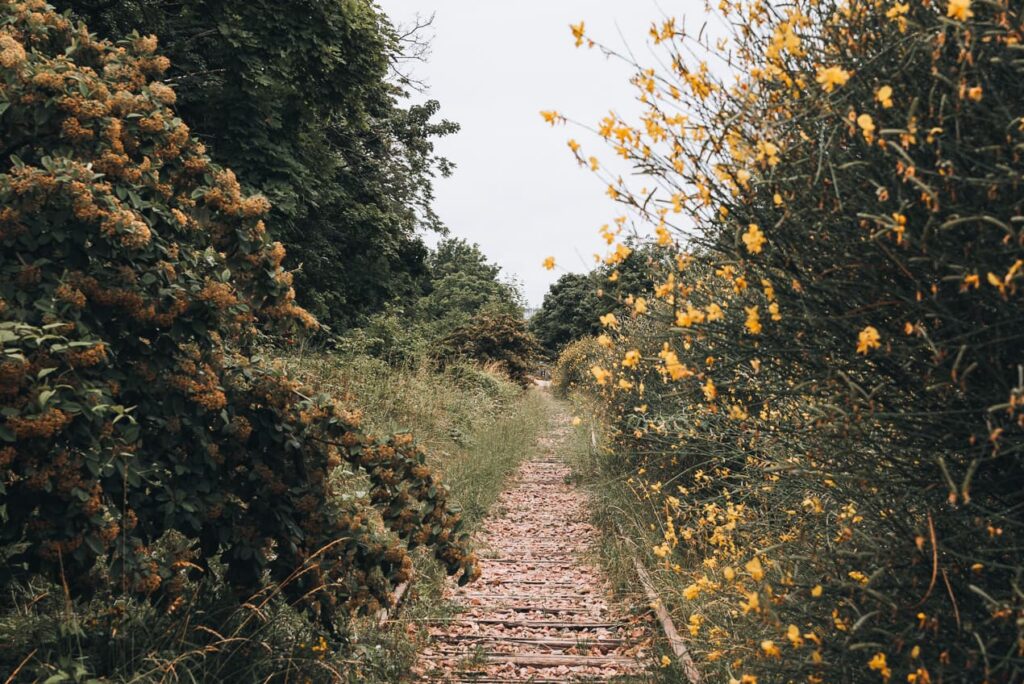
column 517, row 190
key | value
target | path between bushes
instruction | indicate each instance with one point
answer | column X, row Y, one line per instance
column 541, row 611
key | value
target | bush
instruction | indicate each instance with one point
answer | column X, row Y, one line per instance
column 825, row 397
column 572, row 370
column 135, row 278
column 496, row 338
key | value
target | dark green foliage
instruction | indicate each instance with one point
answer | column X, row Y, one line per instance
column 575, row 302
column 296, row 99
column 462, row 284
column 496, row 338
column 141, row 437
column 570, row 311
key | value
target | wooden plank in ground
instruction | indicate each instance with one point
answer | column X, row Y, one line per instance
column 526, row 597
column 540, row 659
column 468, row 678
column 531, row 561
column 558, row 660
column 552, row 624
column 549, row 643
column 519, row 608
column 674, row 640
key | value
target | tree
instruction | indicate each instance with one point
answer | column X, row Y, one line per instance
column 299, row 104
column 570, row 311
column 574, row 304
column 463, row 284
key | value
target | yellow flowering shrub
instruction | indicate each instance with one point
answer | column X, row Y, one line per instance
column 838, row 449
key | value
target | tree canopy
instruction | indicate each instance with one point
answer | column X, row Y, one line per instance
column 574, row 304
column 301, row 104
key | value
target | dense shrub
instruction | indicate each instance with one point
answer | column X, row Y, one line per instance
column 825, row 396
column 497, row 338
column 572, row 371
column 134, row 277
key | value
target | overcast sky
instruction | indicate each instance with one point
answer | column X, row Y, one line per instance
column 517, row 190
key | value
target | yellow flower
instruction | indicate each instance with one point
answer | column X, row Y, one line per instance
column 899, row 226
column 830, row 77
column 576, row 420
column 691, row 592
column 897, row 10
column 753, row 239
column 867, row 126
column 692, row 315
column 753, row 323
column 710, row 391
column 577, row 32
column 767, row 153
column 817, row 591
column 770, row 649
column 878, row 664
column 715, row 313
column 868, row 339
column 793, row 634
column 858, row 576
column 594, row 163
column 551, row 117
column 665, row 661
column 604, row 341
column 574, row 146
column 884, row 96
column 729, row 574
column 753, row 603
column 600, row 374
column 549, row 263
column 609, row 321
column 920, row 676
column 664, row 237
column 632, row 359
column 625, row 384
column 755, row 569
column 640, row 306
column 959, row 10
column 672, row 365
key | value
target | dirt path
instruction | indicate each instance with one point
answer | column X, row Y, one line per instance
column 540, row 612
